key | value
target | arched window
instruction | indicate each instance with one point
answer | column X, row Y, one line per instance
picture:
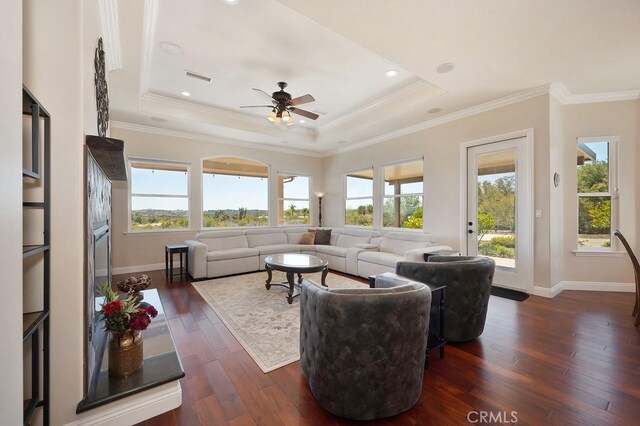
column 235, row 193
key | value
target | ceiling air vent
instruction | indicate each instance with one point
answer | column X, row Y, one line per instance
column 197, row 76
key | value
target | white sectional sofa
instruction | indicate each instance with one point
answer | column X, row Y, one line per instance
column 354, row 251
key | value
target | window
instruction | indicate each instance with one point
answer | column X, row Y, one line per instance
column 235, row 192
column 597, row 192
column 159, row 195
column 403, row 190
column 359, row 198
column 293, row 199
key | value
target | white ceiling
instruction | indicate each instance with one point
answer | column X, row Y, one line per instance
column 338, row 51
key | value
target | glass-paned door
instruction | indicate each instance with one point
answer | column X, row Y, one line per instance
column 495, row 212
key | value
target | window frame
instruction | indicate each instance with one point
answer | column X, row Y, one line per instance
column 613, row 193
column 308, row 200
column 187, row 165
column 346, row 197
column 269, row 202
column 383, row 196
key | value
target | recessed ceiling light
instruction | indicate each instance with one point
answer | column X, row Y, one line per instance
column 185, row 93
column 231, row 1
column 171, row 48
column 434, row 110
column 391, row 73
column 445, row 68
column 301, row 121
column 159, row 119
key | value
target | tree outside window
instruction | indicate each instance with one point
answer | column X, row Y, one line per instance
column 293, row 199
column 159, row 196
column 235, row 193
column 403, row 189
column 596, row 193
column 359, row 198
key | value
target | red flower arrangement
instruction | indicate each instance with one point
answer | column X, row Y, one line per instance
column 126, row 315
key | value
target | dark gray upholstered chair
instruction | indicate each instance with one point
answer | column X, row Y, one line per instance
column 363, row 350
column 468, row 281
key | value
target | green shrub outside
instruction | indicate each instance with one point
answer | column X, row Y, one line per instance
column 499, row 247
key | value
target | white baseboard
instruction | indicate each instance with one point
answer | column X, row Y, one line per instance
column 142, row 268
column 135, row 409
column 582, row 286
column 549, row 293
column 598, row 286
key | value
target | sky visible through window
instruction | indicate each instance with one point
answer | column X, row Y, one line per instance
column 297, row 188
column 220, row 192
column 158, row 182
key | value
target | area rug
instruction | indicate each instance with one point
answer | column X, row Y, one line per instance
column 509, row 294
column 262, row 320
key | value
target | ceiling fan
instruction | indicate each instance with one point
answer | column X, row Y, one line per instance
column 283, row 105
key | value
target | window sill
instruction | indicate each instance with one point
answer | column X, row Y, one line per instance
column 598, row 253
column 163, row 231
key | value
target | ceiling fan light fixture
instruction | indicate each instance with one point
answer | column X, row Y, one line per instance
column 272, row 116
column 277, row 120
column 286, row 116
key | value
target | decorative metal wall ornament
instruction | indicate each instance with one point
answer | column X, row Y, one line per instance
column 102, row 93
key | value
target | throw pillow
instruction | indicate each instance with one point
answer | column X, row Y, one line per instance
column 323, row 236
column 308, row 238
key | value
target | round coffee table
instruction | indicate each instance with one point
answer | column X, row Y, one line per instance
column 291, row 264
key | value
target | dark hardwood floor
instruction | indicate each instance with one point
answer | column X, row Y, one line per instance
column 574, row 359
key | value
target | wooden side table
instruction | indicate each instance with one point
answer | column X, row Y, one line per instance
column 436, row 321
column 169, row 251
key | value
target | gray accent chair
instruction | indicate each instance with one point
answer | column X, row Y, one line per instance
column 468, row 280
column 363, row 350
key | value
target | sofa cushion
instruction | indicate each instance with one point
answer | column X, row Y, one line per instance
column 385, row 259
column 294, row 235
column 235, row 253
column 279, row 248
column 346, row 240
column 332, row 250
column 400, row 246
column 255, row 239
column 225, row 243
column 323, row 236
column 308, row 238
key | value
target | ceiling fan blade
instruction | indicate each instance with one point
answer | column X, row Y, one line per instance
column 308, row 114
column 256, row 106
column 264, row 93
column 302, row 100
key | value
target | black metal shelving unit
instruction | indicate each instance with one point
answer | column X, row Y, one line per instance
column 35, row 325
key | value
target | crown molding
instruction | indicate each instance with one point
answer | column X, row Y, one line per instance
column 467, row 112
column 111, row 33
column 377, row 104
column 560, row 92
column 149, row 20
column 206, row 138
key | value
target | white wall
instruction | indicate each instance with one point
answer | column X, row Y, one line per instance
column 601, row 119
column 556, row 194
column 11, row 211
column 52, row 64
column 440, row 147
column 131, row 250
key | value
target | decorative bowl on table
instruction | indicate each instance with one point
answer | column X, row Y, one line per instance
column 133, row 285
